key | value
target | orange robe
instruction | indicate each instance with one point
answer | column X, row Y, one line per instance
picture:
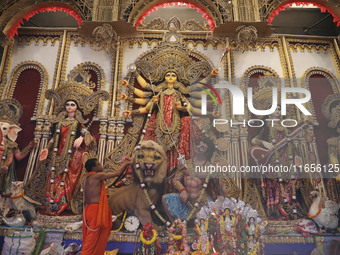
column 98, row 218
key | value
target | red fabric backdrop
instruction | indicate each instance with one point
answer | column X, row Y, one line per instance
column 26, row 92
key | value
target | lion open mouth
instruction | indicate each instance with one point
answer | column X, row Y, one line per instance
column 149, row 169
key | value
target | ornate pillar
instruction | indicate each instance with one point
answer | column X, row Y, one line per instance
column 34, row 155
column 102, row 140
column 110, row 136
column 45, row 135
column 235, row 160
column 244, row 152
column 119, row 131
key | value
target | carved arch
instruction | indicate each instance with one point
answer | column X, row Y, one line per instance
column 97, row 69
column 38, row 109
column 14, row 12
column 333, row 81
column 253, row 70
column 268, row 9
column 257, row 69
column 101, row 80
column 135, row 9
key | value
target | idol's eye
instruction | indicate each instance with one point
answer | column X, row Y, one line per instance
column 157, row 157
column 173, row 75
column 140, row 156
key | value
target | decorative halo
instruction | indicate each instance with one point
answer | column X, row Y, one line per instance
column 222, row 144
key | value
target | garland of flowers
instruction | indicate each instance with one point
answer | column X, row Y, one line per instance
column 244, row 237
column 255, row 250
column 121, row 225
column 151, row 241
column 317, row 213
column 54, row 155
column 200, row 233
column 223, row 227
column 172, row 243
column 152, row 206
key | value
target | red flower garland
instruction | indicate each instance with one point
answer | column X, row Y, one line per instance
column 204, row 15
column 283, row 6
column 14, row 29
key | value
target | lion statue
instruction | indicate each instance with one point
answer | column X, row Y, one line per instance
column 17, row 200
column 149, row 161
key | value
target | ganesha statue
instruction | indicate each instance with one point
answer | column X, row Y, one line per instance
column 10, row 113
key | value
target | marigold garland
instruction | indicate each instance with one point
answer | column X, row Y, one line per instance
column 177, row 237
column 317, row 213
column 121, row 225
column 151, row 241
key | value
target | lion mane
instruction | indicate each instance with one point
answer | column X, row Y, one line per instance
column 152, row 161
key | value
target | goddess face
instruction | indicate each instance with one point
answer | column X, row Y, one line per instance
column 71, row 107
column 170, row 77
column 251, row 221
column 202, row 222
column 227, row 211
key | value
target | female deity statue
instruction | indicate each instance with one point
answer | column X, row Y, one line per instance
column 63, row 157
column 331, row 109
column 10, row 113
column 273, row 146
column 168, row 112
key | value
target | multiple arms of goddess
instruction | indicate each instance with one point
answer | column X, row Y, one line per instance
column 143, row 97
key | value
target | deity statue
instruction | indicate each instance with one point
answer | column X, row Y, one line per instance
column 178, row 242
column 10, row 113
column 331, row 109
column 273, row 146
column 168, row 108
column 228, row 226
column 56, row 179
column 190, row 185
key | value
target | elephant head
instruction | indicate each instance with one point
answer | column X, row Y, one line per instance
column 10, row 130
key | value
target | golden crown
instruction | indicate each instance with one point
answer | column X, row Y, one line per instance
column 10, row 111
column 167, row 57
column 331, row 109
column 77, row 89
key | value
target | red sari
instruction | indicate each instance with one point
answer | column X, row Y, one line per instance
column 75, row 167
column 170, row 115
